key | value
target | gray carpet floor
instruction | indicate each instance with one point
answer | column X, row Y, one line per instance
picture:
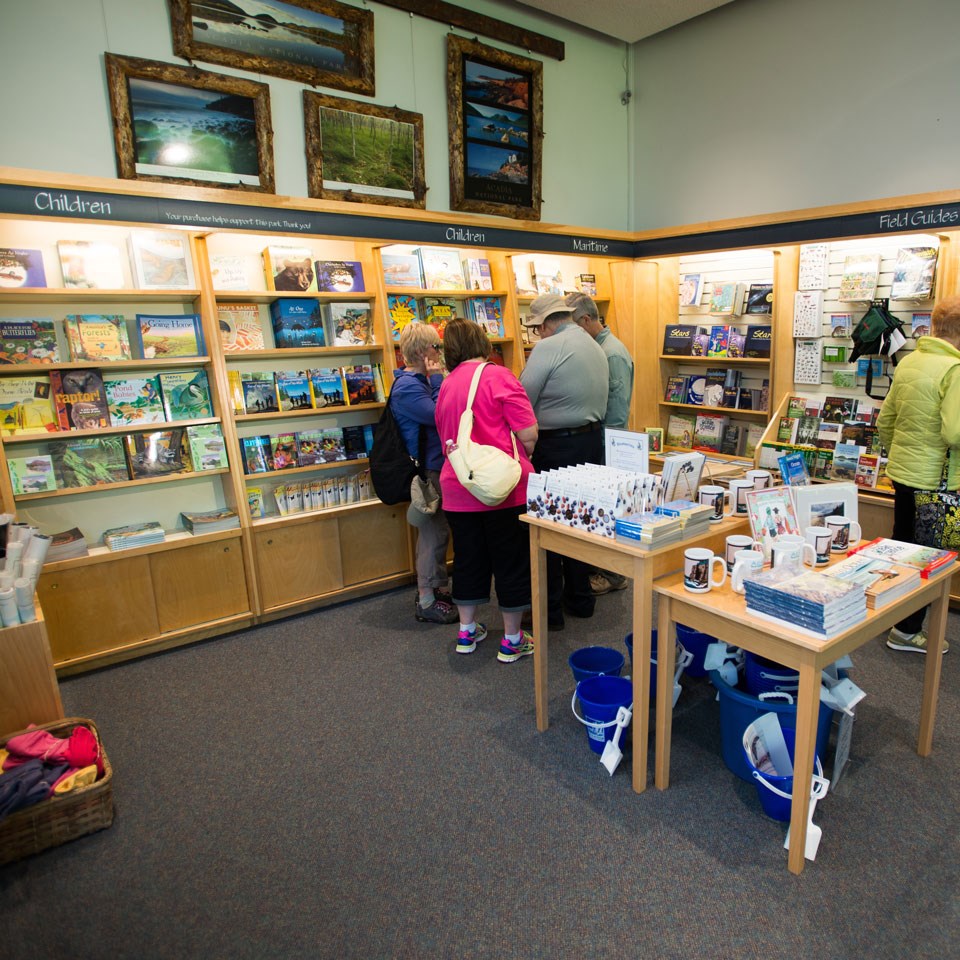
column 342, row 784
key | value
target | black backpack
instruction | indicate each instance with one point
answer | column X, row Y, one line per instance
column 392, row 469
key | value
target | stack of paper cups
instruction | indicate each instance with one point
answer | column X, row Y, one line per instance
column 23, row 592
column 9, row 615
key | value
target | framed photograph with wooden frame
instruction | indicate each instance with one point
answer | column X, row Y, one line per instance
column 322, row 43
column 183, row 125
column 495, row 121
column 363, row 152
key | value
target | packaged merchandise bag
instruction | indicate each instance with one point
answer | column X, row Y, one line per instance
column 486, row 472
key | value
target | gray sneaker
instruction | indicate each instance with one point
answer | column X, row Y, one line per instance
column 915, row 643
column 438, row 612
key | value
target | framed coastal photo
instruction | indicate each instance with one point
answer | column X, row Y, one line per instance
column 318, row 42
column 495, row 122
column 183, row 125
column 818, row 501
column 363, row 152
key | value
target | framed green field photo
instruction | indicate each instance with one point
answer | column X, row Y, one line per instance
column 184, row 125
column 363, row 152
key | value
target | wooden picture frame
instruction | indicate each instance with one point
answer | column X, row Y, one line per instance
column 391, row 169
column 242, row 135
column 818, row 500
column 293, row 49
column 495, row 122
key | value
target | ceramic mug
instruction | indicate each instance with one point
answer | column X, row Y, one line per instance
column 746, row 564
column 844, row 532
column 820, row 538
column 711, row 495
column 735, row 542
column 698, row 563
column 761, row 479
column 738, row 502
column 793, row 550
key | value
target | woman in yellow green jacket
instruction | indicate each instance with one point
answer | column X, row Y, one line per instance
column 919, row 426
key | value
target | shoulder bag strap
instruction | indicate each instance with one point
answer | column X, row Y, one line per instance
column 469, row 408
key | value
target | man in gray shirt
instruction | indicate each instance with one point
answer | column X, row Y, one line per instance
column 620, row 369
column 566, row 378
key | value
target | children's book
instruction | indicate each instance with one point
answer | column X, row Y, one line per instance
column 719, row 337
column 331, row 444
column 401, row 270
column 759, row 299
column 31, row 474
column 20, row 267
column 90, row 461
column 546, row 276
column 327, row 387
column 841, row 324
column 441, row 268
column 339, row 276
column 283, row 451
column 350, row 324
column 88, row 264
column 293, row 390
column 676, row 391
column 161, row 260
column 926, row 559
column 161, row 336
column 913, row 276
column 439, row 311
column 476, row 271
column 289, row 269
column 859, row 280
column 586, row 283
column 310, row 447
column 134, row 400
column 229, row 272
column 361, row 387
column 79, row 399
column 208, row 451
column 255, row 502
column 680, row 427
column 259, row 393
column 297, row 323
column 256, row 454
column 94, row 336
column 690, row 289
column 488, row 313
column 28, row 340
column 726, row 298
column 235, row 389
column 736, row 343
column 240, row 327
column 156, row 454
column 920, row 325
column 186, row 394
column 654, row 439
column 701, row 343
column 404, row 310
column 26, row 405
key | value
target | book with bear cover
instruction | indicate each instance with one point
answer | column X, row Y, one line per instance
column 80, row 399
column 289, row 269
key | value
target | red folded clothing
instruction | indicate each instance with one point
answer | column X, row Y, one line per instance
column 80, row 749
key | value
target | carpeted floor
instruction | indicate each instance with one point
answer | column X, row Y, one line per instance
column 342, row 784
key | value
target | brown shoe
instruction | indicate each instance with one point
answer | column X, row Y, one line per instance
column 599, row 584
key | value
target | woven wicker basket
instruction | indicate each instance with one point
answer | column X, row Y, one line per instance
column 64, row 816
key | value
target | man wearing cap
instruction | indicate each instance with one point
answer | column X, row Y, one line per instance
column 620, row 389
column 566, row 378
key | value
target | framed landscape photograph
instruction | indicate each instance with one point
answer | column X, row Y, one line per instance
column 363, row 152
column 319, row 42
column 495, row 121
column 818, row 501
column 184, row 125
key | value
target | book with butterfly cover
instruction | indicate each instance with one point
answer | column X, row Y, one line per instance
column 161, row 260
column 28, row 340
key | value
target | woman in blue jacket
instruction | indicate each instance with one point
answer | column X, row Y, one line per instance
column 413, row 400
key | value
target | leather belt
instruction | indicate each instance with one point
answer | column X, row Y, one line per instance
column 571, row 431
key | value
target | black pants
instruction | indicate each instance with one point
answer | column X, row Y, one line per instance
column 568, row 580
column 904, row 523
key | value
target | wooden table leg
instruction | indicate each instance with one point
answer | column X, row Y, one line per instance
column 642, row 628
column 538, row 592
column 666, row 666
column 936, row 628
column 808, row 713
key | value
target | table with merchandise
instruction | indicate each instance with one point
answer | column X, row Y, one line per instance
column 642, row 566
column 723, row 614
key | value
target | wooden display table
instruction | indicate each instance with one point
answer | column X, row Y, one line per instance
column 28, row 684
column 721, row 613
column 641, row 566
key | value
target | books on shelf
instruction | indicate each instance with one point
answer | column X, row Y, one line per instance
column 678, row 339
column 913, row 275
column 293, row 390
column 79, row 399
column 488, row 313
column 339, row 276
column 726, row 298
column 441, row 268
column 156, row 454
column 695, row 387
column 846, row 456
column 255, row 502
column 26, row 405
column 327, row 387
column 134, row 535
column 708, row 431
column 21, row 267
column 403, row 310
column 439, row 311
column 401, row 270
column 67, row 545
column 90, row 461
column 90, row 264
column 256, row 454
column 240, row 327
column 719, row 337
column 228, row 272
column 95, row 336
column 360, row 383
column 586, row 283
column 793, row 470
column 758, row 340
column 759, row 299
column 134, row 400
column 736, row 343
column 713, row 383
column 841, row 324
column 207, row 448
column 31, row 474
column 297, row 323
column 690, row 286
column 311, row 446
column 259, row 393
column 209, row 521
column 701, row 342
column 28, row 340
column 861, row 271
column 676, row 391
column 868, row 467
column 546, row 276
column 476, row 271
column 161, row 260
column 289, row 269
column 162, row 336
column 350, row 324
column 283, row 451
column 186, row 394
column 927, row 560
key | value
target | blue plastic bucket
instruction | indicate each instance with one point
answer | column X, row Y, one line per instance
column 694, row 642
column 595, row 662
column 600, row 699
column 776, row 792
column 765, row 676
column 739, row 709
column 628, row 642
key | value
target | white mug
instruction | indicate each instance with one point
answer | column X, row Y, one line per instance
column 761, row 479
column 844, row 532
column 738, row 502
column 791, row 549
column 697, row 569
column 735, row 542
column 820, row 538
column 711, row 495
column 746, row 564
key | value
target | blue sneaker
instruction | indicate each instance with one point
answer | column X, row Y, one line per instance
column 508, row 653
column 467, row 640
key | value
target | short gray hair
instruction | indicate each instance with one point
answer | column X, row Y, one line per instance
column 583, row 306
column 416, row 339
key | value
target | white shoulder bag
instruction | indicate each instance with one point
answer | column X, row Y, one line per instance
column 486, row 472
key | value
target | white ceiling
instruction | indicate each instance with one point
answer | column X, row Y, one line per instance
column 628, row 20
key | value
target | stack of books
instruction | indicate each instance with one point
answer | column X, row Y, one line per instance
column 134, row 535
column 67, row 545
column 210, row 521
column 694, row 517
column 883, row 580
column 806, row 600
column 649, row 530
column 925, row 559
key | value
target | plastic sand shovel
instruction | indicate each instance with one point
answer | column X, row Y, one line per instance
column 818, row 789
column 612, row 754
